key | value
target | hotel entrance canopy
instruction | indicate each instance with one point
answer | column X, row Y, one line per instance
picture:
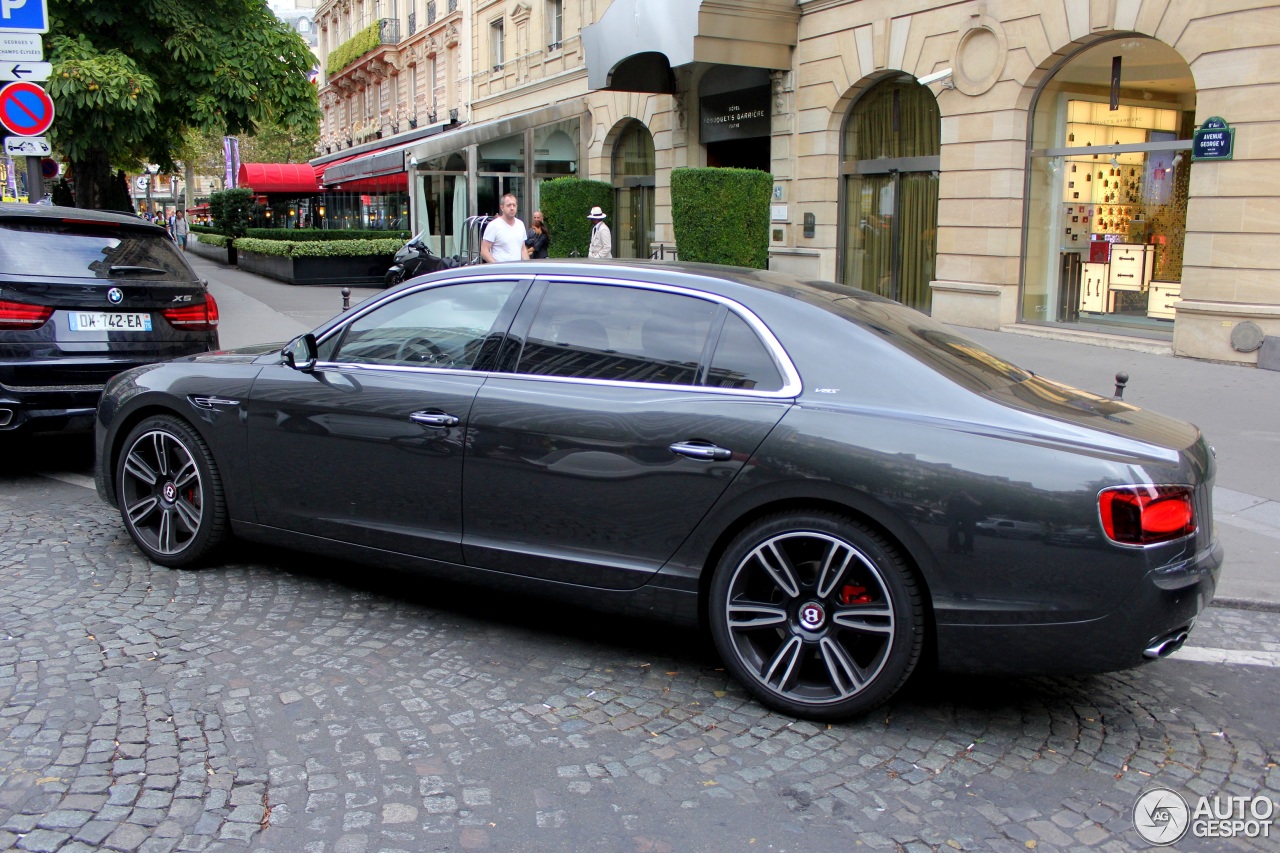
column 637, row 43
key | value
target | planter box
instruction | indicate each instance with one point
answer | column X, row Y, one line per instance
column 358, row 270
column 204, row 250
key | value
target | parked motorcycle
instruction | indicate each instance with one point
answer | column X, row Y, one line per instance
column 413, row 259
column 416, row 258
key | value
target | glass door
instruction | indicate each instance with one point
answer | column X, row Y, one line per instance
column 633, row 207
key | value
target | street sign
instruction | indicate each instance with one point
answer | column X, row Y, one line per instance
column 25, row 70
column 49, row 169
column 27, row 146
column 1213, row 140
column 31, row 16
column 20, row 47
column 25, row 108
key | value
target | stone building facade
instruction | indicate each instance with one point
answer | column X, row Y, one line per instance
column 1088, row 166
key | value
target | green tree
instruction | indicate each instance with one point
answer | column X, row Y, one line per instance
column 131, row 77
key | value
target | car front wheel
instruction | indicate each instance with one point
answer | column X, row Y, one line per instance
column 818, row 616
column 169, row 492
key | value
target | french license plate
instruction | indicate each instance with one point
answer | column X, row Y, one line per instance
column 109, row 321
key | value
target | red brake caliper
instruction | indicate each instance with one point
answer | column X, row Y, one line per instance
column 850, row 594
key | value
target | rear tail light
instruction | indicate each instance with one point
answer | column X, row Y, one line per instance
column 201, row 317
column 1145, row 515
column 19, row 315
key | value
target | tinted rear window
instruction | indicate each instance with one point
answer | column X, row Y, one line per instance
column 76, row 250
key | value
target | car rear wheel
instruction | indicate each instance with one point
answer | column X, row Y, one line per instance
column 816, row 615
column 169, row 492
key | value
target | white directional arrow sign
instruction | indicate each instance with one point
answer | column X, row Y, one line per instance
column 25, row 70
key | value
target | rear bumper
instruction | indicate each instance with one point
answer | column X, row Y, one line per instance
column 1163, row 606
column 49, row 408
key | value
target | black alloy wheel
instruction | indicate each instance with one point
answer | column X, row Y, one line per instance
column 169, row 492
column 816, row 615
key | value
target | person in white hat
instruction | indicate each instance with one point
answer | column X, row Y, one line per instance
column 601, row 241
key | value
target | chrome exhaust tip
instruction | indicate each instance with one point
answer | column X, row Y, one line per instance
column 6, row 417
column 1167, row 644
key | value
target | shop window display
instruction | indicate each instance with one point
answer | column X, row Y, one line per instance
column 1108, row 200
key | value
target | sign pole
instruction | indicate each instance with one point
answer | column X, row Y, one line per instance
column 35, row 181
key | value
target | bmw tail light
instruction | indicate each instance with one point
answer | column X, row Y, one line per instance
column 1145, row 515
column 19, row 315
column 200, row 317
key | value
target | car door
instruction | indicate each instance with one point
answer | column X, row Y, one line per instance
column 611, row 429
column 367, row 447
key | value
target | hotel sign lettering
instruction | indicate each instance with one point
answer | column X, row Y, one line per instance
column 735, row 115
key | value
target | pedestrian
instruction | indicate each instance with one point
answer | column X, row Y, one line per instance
column 539, row 241
column 601, row 241
column 504, row 236
column 181, row 228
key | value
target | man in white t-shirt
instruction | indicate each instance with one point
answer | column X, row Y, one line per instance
column 504, row 237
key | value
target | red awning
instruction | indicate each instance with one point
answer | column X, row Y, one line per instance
column 297, row 178
column 319, row 170
column 397, row 183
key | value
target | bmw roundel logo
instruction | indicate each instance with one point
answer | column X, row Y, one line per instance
column 115, row 296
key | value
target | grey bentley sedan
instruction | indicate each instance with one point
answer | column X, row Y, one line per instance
column 803, row 468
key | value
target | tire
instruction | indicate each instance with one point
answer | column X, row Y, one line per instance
column 170, row 493
column 822, row 644
column 392, row 278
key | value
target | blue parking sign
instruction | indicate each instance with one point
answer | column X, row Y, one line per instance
column 28, row 16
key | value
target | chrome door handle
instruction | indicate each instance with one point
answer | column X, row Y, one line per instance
column 701, row 451
column 434, row 419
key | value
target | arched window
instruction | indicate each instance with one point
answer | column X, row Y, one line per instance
column 633, row 201
column 1108, row 170
column 889, row 164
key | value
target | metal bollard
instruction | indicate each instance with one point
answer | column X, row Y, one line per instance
column 1122, row 379
column 346, row 298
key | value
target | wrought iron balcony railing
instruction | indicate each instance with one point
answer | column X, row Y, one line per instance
column 389, row 30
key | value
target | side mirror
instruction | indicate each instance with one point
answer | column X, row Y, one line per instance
column 300, row 353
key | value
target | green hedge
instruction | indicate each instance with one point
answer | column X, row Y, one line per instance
column 205, row 236
column 230, row 210
column 303, row 235
column 565, row 204
column 721, row 216
column 352, row 49
column 319, row 249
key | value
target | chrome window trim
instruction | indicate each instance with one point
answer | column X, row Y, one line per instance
column 791, row 383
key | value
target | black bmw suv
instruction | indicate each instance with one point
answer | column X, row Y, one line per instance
column 84, row 295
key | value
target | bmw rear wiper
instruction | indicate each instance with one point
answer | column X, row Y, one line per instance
column 119, row 269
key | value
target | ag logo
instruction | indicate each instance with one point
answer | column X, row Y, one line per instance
column 1161, row 816
column 115, row 296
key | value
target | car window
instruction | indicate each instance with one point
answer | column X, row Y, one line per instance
column 434, row 327
column 619, row 333
column 742, row 360
column 61, row 249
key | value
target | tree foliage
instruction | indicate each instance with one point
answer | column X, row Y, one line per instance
column 131, row 77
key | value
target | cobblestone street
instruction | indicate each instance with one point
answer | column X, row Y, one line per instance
column 286, row 703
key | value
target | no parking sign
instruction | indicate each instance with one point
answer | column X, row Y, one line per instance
column 25, row 108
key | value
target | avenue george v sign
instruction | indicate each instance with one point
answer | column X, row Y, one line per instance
column 1213, row 140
